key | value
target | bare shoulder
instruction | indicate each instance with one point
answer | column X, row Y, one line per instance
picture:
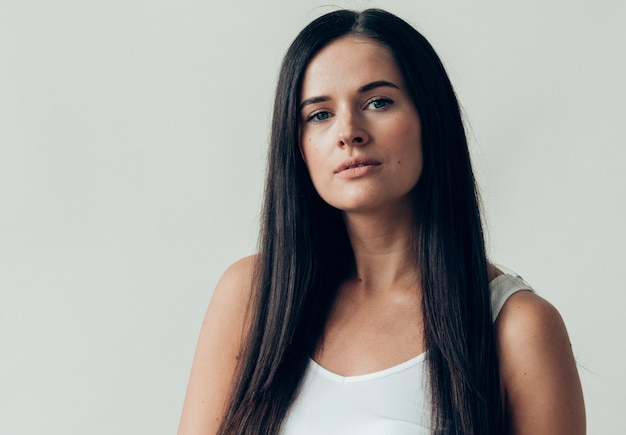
column 224, row 319
column 537, row 368
column 233, row 288
column 218, row 350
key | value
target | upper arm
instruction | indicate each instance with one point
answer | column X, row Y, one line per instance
column 537, row 368
column 217, row 351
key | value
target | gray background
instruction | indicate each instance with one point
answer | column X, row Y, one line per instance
column 132, row 140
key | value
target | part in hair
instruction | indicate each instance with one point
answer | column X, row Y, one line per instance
column 305, row 255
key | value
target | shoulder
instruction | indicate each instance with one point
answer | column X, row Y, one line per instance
column 218, row 350
column 537, row 368
column 235, row 283
column 229, row 302
column 224, row 321
column 527, row 321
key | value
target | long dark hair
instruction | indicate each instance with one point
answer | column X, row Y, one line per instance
column 305, row 254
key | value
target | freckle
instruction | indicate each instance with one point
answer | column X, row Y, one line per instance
column 525, row 373
column 398, row 161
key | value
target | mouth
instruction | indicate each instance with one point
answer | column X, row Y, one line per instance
column 356, row 163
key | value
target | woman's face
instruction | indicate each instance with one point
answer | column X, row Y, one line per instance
column 360, row 133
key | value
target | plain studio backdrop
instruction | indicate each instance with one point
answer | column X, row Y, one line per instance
column 132, row 151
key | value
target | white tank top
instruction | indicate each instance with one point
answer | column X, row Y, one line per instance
column 391, row 401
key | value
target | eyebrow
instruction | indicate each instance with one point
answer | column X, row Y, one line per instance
column 365, row 88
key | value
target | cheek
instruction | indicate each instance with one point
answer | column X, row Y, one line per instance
column 404, row 132
column 308, row 149
column 410, row 128
column 411, row 139
column 301, row 148
column 312, row 153
column 311, row 157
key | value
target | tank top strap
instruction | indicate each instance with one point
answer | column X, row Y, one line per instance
column 502, row 287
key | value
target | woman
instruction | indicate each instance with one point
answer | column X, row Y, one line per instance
column 370, row 307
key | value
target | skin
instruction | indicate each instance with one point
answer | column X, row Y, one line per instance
column 351, row 112
column 217, row 351
column 376, row 322
column 537, row 369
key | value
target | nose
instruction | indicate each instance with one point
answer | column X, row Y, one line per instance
column 351, row 132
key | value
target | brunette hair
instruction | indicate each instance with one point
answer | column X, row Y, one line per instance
column 305, row 254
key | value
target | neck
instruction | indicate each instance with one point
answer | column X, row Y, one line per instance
column 383, row 251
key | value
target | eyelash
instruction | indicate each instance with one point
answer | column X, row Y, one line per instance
column 313, row 117
column 387, row 102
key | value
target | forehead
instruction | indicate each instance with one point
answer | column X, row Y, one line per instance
column 347, row 64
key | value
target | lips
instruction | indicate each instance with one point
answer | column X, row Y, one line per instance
column 356, row 163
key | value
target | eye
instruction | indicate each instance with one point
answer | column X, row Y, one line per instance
column 322, row 115
column 378, row 103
